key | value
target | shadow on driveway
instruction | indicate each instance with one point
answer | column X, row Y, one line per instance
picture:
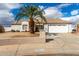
column 48, row 40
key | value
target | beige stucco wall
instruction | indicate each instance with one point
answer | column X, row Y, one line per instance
column 16, row 27
column 20, row 27
column 7, row 29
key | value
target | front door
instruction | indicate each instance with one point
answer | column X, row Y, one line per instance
column 39, row 27
column 24, row 27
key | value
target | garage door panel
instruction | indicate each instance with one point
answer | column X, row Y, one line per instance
column 58, row 29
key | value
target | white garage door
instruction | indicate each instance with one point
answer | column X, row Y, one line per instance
column 58, row 28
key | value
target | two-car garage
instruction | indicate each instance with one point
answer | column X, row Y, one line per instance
column 57, row 26
column 61, row 28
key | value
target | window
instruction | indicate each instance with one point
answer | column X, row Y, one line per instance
column 24, row 27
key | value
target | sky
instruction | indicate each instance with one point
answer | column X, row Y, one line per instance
column 64, row 11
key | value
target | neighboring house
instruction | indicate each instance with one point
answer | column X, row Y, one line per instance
column 20, row 26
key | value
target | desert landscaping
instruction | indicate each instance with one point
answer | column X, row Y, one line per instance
column 17, row 34
column 61, row 44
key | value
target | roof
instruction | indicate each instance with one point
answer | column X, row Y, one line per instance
column 54, row 21
column 58, row 21
column 17, row 23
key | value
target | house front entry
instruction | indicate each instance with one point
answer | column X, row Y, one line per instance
column 24, row 27
column 39, row 27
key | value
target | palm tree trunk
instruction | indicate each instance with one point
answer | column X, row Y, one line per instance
column 31, row 25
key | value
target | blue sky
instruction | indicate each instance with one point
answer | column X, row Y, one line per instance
column 64, row 11
column 65, row 8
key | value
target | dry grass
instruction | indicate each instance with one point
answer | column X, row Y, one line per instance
column 18, row 34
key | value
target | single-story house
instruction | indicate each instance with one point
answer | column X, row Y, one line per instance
column 52, row 26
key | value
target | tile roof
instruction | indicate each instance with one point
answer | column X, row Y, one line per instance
column 54, row 21
column 58, row 21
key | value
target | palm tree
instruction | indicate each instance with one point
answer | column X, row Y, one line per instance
column 32, row 12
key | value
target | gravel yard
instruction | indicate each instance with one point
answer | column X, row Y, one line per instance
column 18, row 34
column 64, row 44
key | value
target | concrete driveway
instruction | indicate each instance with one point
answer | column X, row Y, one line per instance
column 64, row 44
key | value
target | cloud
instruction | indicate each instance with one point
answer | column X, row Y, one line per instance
column 53, row 12
column 2, row 6
column 5, row 13
column 12, row 5
column 73, row 19
column 42, row 7
column 6, row 17
column 74, row 12
column 63, row 5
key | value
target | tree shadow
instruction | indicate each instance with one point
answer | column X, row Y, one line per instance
column 48, row 40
